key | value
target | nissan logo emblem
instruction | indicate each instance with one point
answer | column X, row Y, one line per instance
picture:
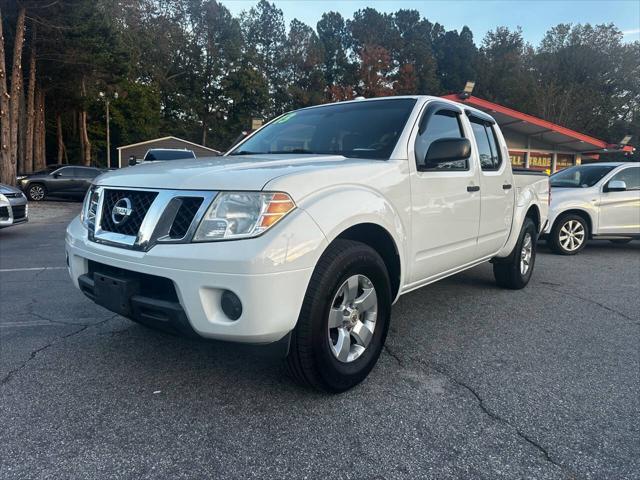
column 121, row 211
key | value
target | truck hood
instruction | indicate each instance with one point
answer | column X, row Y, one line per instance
column 8, row 189
column 239, row 172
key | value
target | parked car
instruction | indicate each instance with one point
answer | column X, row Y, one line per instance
column 599, row 200
column 163, row 155
column 13, row 206
column 48, row 169
column 307, row 231
column 67, row 181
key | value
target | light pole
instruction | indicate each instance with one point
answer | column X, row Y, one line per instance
column 107, row 101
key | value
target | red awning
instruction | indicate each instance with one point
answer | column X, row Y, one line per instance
column 548, row 132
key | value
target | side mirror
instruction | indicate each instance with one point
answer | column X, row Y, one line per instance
column 56, row 175
column 446, row 150
column 132, row 161
column 616, row 186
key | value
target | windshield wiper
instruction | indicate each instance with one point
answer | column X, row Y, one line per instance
column 295, row 150
column 247, row 152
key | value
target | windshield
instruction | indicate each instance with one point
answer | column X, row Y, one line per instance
column 582, row 176
column 168, row 155
column 357, row 129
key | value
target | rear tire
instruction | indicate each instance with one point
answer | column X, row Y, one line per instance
column 36, row 192
column 341, row 331
column 569, row 234
column 515, row 271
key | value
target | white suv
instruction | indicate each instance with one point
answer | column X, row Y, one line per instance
column 598, row 200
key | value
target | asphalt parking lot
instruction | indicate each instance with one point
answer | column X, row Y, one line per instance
column 476, row 382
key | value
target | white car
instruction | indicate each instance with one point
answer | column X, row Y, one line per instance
column 14, row 209
column 306, row 232
column 598, row 200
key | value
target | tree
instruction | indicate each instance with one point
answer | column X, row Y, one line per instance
column 30, row 107
column 417, row 72
column 247, row 91
column 504, row 75
column 265, row 39
column 303, row 60
column 334, row 37
column 215, row 46
column 11, row 121
column 374, row 70
column 5, row 127
column 457, row 57
column 586, row 78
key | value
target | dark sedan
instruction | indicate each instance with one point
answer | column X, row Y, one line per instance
column 66, row 181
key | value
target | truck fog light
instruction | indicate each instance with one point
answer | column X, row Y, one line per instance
column 231, row 305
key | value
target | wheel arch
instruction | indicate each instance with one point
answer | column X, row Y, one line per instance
column 534, row 214
column 378, row 238
column 579, row 212
column 360, row 213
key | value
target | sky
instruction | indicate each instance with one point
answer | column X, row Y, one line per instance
column 535, row 17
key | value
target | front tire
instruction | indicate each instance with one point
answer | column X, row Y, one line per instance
column 36, row 192
column 515, row 271
column 344, row 319
column 569, row 234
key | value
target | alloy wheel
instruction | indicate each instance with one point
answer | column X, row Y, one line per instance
column 352, row 318
column 36, row 192
column 572, row 235
column 525, row 254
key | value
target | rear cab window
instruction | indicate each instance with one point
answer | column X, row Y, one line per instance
column 168, row 155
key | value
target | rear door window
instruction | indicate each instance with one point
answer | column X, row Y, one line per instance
column 85, row 172
column 487, row 142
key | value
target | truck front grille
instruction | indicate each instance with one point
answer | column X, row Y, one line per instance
column 140, row 203
column 184, row 217
column 139, row 219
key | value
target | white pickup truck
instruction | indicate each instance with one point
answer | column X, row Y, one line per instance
column 306, row 232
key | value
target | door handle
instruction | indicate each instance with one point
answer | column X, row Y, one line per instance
column 506, row 186
column 473, row 188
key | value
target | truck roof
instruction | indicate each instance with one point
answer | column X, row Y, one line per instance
column 397, row 97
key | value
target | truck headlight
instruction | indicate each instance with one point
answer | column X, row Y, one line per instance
column 90, row 208
column 234, row 215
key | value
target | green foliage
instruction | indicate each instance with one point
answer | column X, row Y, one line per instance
column 189, row 68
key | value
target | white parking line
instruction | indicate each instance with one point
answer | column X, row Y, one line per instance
column 30, row 269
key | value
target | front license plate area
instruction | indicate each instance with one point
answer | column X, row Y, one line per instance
column 114, row 292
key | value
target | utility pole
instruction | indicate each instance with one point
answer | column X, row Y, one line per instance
column 108, row 139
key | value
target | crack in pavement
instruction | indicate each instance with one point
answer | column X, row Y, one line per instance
column 392, row 354
column 481, row 403
column 62, row 322
column 589, row 300
column 7, row 378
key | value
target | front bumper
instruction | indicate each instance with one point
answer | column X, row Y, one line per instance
column 13, row 212
column 269, row 274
